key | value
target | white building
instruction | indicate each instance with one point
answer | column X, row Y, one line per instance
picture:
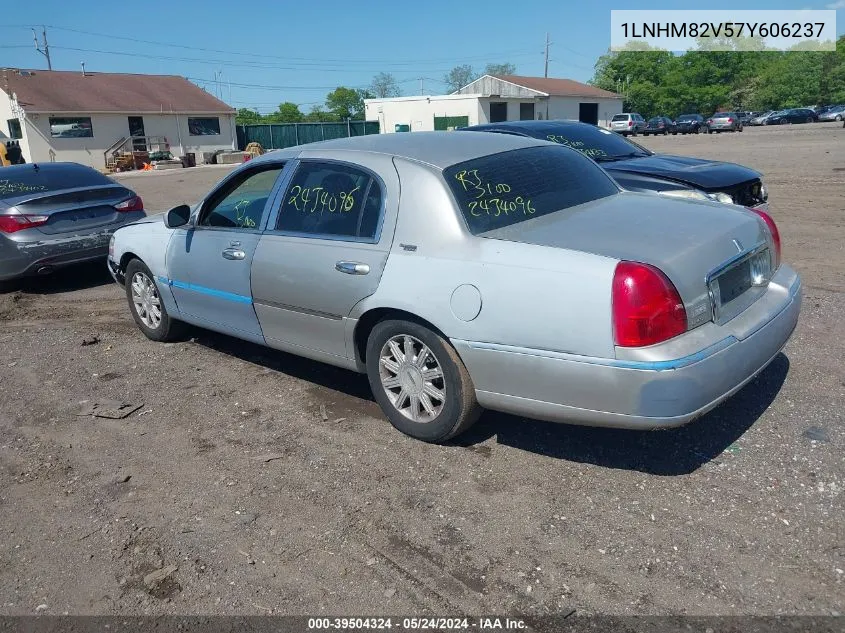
column 77, row 117
column 495, row 98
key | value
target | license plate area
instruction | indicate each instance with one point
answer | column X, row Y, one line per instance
column 739, row 283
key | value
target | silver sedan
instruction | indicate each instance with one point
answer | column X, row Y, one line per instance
column 468, row 271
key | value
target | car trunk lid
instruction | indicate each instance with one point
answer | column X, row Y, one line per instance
column 686, row 240
column 73, row 210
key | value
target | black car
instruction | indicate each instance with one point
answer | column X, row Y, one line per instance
column 689, row 123
column 636, row 168
column 660, row 125
column 794, row 115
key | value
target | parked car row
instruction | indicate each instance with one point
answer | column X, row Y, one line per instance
column 631, row 123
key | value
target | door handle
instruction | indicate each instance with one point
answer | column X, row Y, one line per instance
column 352, row 268
column 233, row 253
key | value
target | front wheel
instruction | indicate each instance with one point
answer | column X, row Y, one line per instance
column 146, row 305
column 419, row 381
column 838, row 117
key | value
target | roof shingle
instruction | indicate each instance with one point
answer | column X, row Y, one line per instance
column 558, row 87
column 66, row 91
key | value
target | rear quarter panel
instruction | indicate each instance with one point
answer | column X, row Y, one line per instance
column 528, row 296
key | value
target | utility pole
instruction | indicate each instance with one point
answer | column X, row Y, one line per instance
column 546, row 55
column 46, row 50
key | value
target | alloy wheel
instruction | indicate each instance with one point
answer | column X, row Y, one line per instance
column 412, row 378
column 146, row 300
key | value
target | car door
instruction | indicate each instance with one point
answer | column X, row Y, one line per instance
column 208, row 262
column 324, row 250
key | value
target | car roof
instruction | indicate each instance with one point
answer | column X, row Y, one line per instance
column 47, row 168
column 440, row 149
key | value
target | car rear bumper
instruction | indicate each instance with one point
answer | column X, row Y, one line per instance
column 24, row 258
column 639, row 394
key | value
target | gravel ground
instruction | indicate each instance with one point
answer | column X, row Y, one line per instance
column 252, row 482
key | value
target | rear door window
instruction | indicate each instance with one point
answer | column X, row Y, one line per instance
column 503, row 189
column 332, row 199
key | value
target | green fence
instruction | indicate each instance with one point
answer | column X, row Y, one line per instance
column 281, row 135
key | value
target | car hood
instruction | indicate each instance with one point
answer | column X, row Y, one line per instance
column 705, row 174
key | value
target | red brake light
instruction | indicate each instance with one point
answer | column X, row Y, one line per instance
column 773, row 230
column 132, row 204
column 630, row 123
column 647, row 308
column 730, row 120
column 12, row 223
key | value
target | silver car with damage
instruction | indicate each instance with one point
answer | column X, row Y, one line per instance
column 461, row 271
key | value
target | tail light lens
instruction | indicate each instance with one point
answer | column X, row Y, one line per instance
column 630, row 123
column 773, row 230
column 132, row 204
column 12, row 223
column 647, row 308
column 730, row 120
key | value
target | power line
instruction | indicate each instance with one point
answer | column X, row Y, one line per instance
column 309, row 60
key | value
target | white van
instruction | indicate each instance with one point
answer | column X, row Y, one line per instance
column 627, row 123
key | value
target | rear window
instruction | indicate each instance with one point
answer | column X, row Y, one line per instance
column 620, row 117
column 595, row 142
column 28, row 180
column 503, row 189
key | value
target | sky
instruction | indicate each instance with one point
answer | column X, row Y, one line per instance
column 260, row 54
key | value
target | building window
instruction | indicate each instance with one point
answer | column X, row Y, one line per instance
column 203, row 126
column 71, row 127
column 526, row 111
column 14, row 129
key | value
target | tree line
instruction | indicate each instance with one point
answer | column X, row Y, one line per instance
column 344, row 103
column 704, row 81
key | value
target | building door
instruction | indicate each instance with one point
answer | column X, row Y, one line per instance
column 498, row 111
column 588, row 113
column 136, row 128
column 526, row 111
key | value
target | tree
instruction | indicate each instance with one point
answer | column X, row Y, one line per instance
column 384, row 85
column 288, row 112
column 245, row 116
column 500, row 69
column 347, row 103
column 459, row 77
column 317, row 115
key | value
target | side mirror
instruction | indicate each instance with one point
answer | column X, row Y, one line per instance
column 177, row 216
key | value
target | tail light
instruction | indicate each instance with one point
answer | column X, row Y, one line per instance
column 12, row 223
column 730, row 120
column 647, row 308
column 773, row 230
column 630, row 123
column 132, row 204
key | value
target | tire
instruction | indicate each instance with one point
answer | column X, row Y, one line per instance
column 674, row 134
column 709, row 131
column 838, row 117
column 457, row 411
column 140, row 285
column 783, row 121
column 698, row 130
column 809, row 119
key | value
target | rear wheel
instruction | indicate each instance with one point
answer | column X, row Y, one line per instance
column 146, row 305
column 419, row 381
column 838, row 117
column 783, row 121
column 809, row 119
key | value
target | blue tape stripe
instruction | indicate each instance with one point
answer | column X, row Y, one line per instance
column 212, row 292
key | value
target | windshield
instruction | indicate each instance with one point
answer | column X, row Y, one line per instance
column 656, row 119
column 687, row 117
column 503, row 189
